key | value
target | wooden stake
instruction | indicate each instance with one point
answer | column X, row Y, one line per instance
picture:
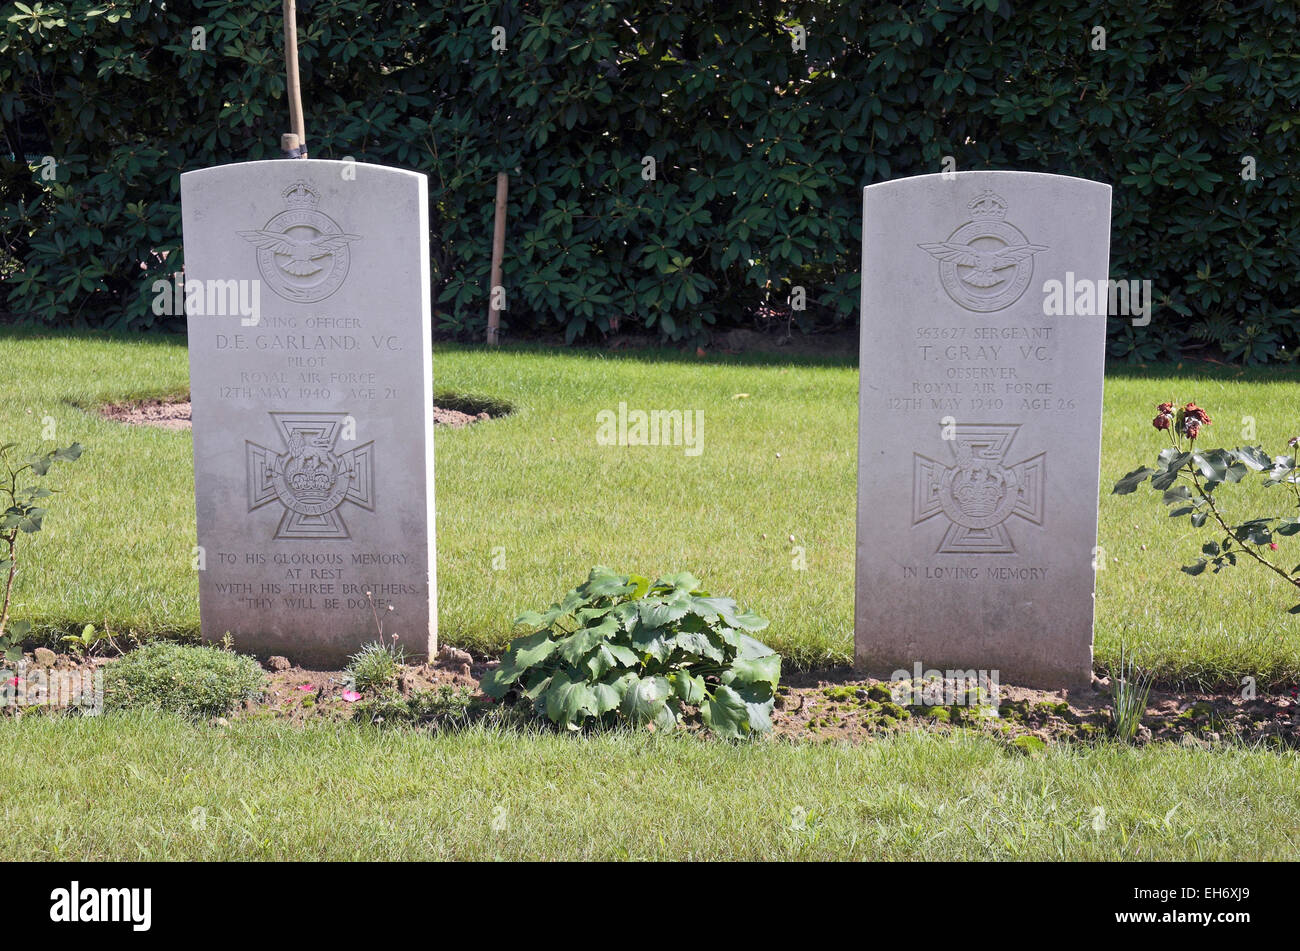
column 498, row 249
column 291, row 74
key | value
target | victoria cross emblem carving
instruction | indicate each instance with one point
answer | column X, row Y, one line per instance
column 979, row 492
column 309, row 476
column 976, row 262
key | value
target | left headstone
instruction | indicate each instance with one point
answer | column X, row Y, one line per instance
column 307, row 304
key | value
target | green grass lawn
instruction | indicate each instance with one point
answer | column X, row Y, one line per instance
column 779, row 463
column 154, row 787
column 537, row 488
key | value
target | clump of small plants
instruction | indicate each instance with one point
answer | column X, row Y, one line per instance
column 196, row 682
column 23, row 512
column 1130, row 688
column 376, row 666
column 445, row 707
column 623, row 649
column 1188, row 476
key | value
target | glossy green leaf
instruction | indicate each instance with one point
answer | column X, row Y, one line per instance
column 645, row 698
column 725, row 713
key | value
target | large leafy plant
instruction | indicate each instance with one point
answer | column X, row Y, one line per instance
column 620, row 648
column 1187, row 476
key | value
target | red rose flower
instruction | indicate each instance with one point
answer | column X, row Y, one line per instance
column 1164, row 416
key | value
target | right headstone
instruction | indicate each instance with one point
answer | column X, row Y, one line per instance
column 982, row 356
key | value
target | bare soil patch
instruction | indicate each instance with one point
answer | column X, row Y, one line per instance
column 837, row 705
column 299, row 695
column 168, row 415
column 175, row 414
column 823, row 706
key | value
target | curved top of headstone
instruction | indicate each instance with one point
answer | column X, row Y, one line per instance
column 308, row 222
column 986, row 232
column 343, row 170
column 1006, row 174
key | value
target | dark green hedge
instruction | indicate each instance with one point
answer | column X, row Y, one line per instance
column 761, row 149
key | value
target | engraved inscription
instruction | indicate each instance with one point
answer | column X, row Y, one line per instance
column 980, row 491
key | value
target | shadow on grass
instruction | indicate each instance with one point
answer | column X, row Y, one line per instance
column 17, row 331
column 21, row 332
column 1202, row 370
column 472, row 403
column 1195, row 368
column 655, row 355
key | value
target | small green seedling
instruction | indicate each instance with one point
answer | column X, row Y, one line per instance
column 83, row 645
column 22, row 515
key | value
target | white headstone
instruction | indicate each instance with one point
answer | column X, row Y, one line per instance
column 307, row 303
column 980, row 425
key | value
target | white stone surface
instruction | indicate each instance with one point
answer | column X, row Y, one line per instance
column 980, row 425
column 313, row 427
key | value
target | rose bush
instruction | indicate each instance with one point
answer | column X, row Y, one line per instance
column 1188, row 477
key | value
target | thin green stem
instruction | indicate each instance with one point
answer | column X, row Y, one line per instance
column 1247, row 548
column 11, row 538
